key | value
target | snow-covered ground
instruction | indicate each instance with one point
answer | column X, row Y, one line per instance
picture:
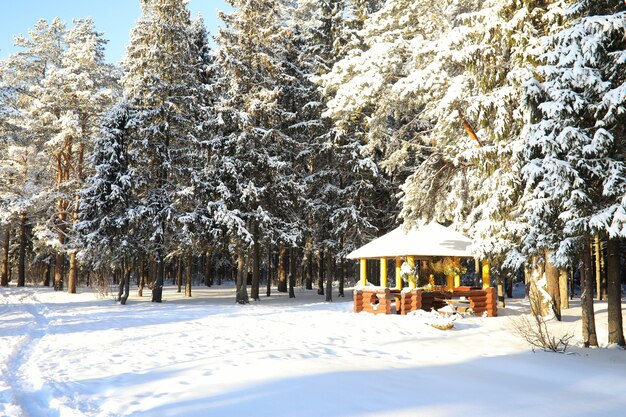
column 76, row 355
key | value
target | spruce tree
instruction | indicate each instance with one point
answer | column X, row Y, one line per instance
column 161, row 86
column 574, row 151
column 253, row 164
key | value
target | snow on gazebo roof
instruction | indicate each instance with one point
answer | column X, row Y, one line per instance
column 430, row 240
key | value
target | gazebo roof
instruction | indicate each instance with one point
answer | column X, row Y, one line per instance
column 430, row 240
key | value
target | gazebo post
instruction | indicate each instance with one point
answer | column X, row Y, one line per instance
column 363, row 272
column 450, row 282
column 383, row 272
column 485, row 274
column 398, row 273
column 411, row 261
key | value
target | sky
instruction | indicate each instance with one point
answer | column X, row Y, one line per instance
column 113, row 17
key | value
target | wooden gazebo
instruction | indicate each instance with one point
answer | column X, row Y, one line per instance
column 415, row 244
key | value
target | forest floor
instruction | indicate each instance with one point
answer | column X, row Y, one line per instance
column 79, row 355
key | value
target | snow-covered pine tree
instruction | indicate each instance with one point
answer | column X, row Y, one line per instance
column 78, row 92
column 161, row 86
column 106, row 228
column 440, row 85
column 349, row 196
column 318, row 28
column 23, row 76
column 257, row 188
column 7, row 130
column 574, row 151
column 60, row 88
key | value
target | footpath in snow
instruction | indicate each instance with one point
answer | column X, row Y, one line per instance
column 78, row 355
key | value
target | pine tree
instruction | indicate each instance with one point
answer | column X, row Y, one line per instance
column 79, row 91
column 61, row 86
column 161, row 85
column 574, row 150
column 104, row 216
column 349, row 204
column 253, row 163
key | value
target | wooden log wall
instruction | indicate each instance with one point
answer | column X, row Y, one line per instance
column 375, row 300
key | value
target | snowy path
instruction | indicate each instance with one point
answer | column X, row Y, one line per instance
column 78, row 356
column 24, row 386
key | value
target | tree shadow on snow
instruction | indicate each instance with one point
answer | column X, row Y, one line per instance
column 517, row 385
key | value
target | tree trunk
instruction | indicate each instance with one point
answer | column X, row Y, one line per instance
column 124, row 285
column 320, row 273
column 72, row 277
column 308, row 281
column 563, row 289
column 477, row 273
column 614, row 292
column 179, row 275
column 552, row 279
column 329, row 278
column 188, row 277
column 508, row 285
column 21, row 266
column 292, row 272
column 242, row 288
column 597, row 255
column 208, row 278
column 537, row 292
column 586, row 299
column 120, row 286
column 268, row 290
column 4, row 273
column 342, row 275
column 157, row 286
column 59, row 267
column 282, row 269
column 46, row 274
column 143, row 277
column 603, row 275
column 500, row 291
column 254, row 292
column 527, row 278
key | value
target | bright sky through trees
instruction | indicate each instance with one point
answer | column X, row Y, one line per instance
column 113, row 17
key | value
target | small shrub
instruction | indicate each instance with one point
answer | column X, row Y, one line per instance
column 534, row 329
